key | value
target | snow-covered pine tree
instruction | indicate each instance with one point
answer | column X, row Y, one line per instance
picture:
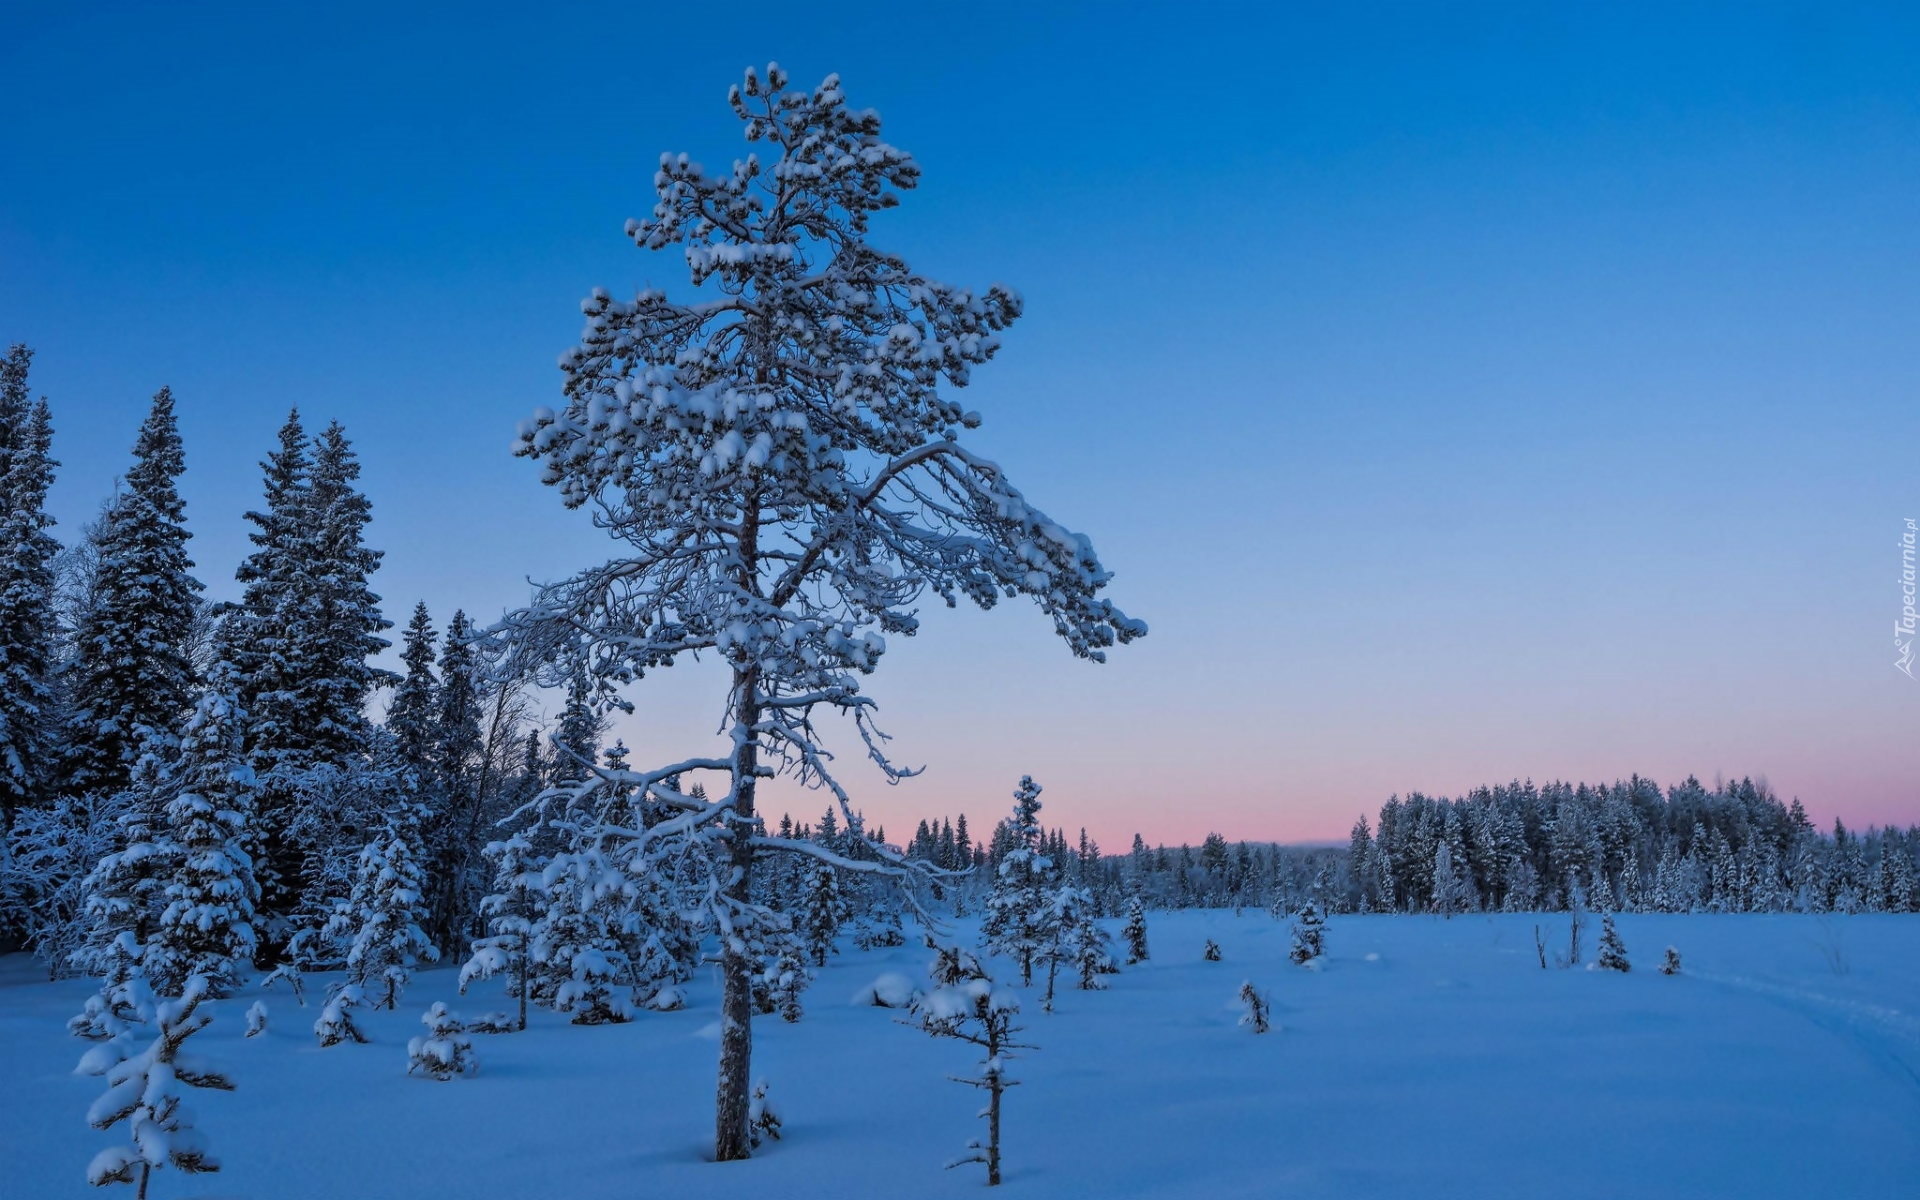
column 445, row 1050
column 459, row 759
column 380, row 922
column 1670, row 965
column 1256, row 1017
column 1613, row 951
column 576, row 742
column 146, row 1090
column 790, row 481
column 821, row 912
column 1309, row 935
column 1211, row 951
column 132, row 671
column 28, row 628
column 1088, row 946
column 1017, row 910
column 205, row 928
column 762, row 1118
column 410, row 714
column 121, row 894
column 1450, row 889
column 576, row 955
column 511, row 911
column 1135, row 931
column 966, row 1005
column 301, row 640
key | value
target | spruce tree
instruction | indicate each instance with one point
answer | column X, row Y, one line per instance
column 351, row 622
column 822, row 911
column 457, row 751
column 1015, row 923
column 27, row 624
column 410, row 714
column 1613, row 951
column 133, row 673
column 380, row 921
column 145, row 1090
column 1135, row 932
column 206, row 927
column 1310, row 934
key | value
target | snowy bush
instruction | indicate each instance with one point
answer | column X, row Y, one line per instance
column 335, row 1023
column 1309, row 935
column 670, row 998
column 1211, row 951
column 888, row 991
column 493, row 1022
column 762, row 1118
column 256, row 1019
column 444, row 1050
column 144, row 1089
column 1671, row 964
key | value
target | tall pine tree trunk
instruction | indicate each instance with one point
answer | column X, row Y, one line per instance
column 731, row 1134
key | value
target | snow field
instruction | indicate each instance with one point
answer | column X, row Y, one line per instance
column 1424, row 1058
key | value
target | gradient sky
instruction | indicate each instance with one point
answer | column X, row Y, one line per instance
column 1462, row 393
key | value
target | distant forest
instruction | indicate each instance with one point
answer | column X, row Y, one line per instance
column 1631, row 846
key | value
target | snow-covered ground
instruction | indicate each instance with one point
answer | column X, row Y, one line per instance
column 1428, row 1058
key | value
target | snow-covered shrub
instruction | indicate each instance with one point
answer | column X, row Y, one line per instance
column 670, row 998
column 781, row 984
column 763, row 1120
column 1613, row 951
column 1309, row 935
column 444, row 1050
column 256, row 1019
column 493, row 1022
column 1211, row 951
column 335, row 1023
column 1135, row 932
column 1671, row 964
column 1255, row 1016
column 289, row 974
column 888, row 991
column 144, row 1089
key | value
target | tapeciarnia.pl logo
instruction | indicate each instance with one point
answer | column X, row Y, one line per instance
column 1903, row 628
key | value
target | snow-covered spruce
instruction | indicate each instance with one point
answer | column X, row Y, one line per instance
column 380, row 922
column 335, row 1024
column 1019, row 912
column 206, row 927
column 788, row 480
column 1257, row 1008
column 1670, row 965
column 444, row 1050
column 821, row 914
column 289, row 974
column 132, row 670
column 1613, row 951
column 577, row 960
column 1135, row 932
column 145, row 1089
column 1211, row 951
column 964, row 1004
column 256, row 1018
column 511, row 910
column 1089, row 948
column 28, row 624
column 781, row 985
column 1309, row 936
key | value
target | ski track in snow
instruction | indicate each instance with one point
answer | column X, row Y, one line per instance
column 1889, row 1036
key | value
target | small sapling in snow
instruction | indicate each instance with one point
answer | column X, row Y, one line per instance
column 1256, row 1016
column 1210, row 951
column 1613, row 951
column 445, row 1050
column 1671, row 964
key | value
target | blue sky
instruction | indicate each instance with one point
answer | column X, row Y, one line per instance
column 1461, row 392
